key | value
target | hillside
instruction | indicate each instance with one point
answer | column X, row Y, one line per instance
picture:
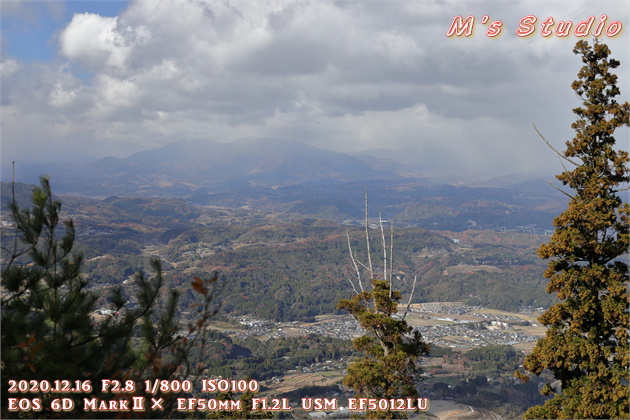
column 274, row 175
column 297, row 270
column 283, row 267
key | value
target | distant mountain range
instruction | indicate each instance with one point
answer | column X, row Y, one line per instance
column 185, row 167
column 290, row 176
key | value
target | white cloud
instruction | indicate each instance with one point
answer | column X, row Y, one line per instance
column 343, row 74
column 98, row 42
column 9, row 66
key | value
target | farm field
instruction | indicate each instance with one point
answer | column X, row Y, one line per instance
column 293, row 381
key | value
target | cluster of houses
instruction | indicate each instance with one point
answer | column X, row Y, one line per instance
column 463, row 336
column 259, row 327
column 491, row 329
column 346, row 327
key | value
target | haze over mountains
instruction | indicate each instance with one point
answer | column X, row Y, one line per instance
column 282, row 175
column 190, row 165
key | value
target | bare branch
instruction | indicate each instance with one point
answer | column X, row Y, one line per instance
column 562, row 163
column 391, row 253
column 367, row 236
column 566, row 171
column 354, row 264
column 413, row 289
column 363, row 265
column 380, row 221
column 563, row 192
column 553, row 148
column 353, row 288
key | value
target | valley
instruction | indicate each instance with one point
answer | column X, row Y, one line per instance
column 286, row 266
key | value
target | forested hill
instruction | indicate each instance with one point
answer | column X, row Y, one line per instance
column 300, row 269
column 284, row 266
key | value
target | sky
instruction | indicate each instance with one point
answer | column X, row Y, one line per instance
column 90, row 79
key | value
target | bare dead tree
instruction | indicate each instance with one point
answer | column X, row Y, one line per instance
column 388, row 258
column 390, row 347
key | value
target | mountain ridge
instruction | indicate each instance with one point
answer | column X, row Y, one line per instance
column 188, row 165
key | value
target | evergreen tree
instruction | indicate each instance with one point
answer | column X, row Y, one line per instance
column 49, row 332
column 586, row 345
column 246, row 405
column 391, row 348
